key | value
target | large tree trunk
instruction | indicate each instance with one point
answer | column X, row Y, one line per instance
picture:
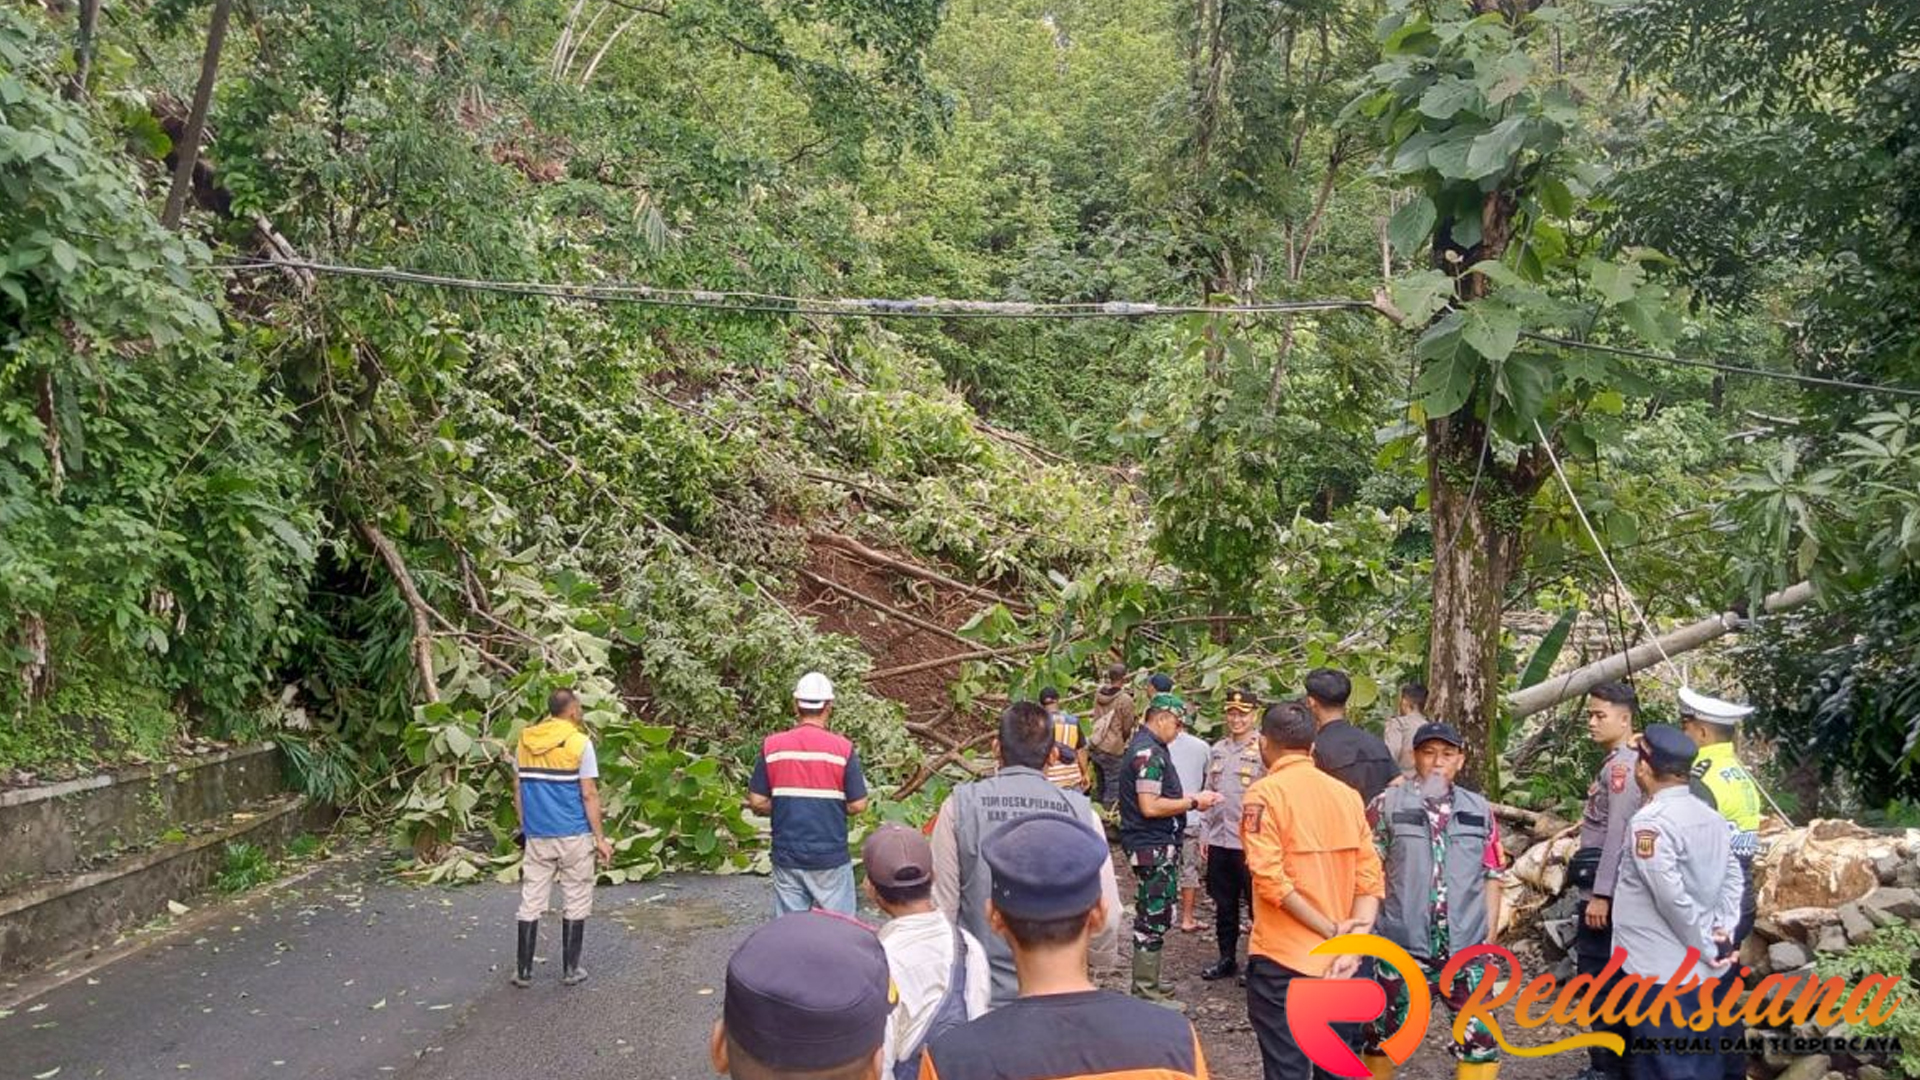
column 1477, row 546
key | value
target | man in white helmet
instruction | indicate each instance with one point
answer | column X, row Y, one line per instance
column 1722, row 782
column 809, row 779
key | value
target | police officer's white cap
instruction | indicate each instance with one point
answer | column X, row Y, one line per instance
column 814, row 691
column 1711, row 709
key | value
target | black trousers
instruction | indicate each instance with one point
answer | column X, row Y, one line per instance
column 1591, row 950
column 1672, row 1051
column 1734, row 1066
column 1280, row 1056
column 1229, row 886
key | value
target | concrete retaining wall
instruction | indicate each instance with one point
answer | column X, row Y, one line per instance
column 65, row 914
column 74, row 825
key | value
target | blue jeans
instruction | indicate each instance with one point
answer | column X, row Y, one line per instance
column 803, row 890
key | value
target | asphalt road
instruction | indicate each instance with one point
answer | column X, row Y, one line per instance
column 353, row 973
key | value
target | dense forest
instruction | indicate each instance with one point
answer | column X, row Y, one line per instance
column 368, row 369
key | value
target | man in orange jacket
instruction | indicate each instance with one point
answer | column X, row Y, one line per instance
column 1316, row 875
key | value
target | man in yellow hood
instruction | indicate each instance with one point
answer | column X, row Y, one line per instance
column 556, row 796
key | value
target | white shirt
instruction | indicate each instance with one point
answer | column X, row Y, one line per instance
column 1190, row 753
column 920, row 955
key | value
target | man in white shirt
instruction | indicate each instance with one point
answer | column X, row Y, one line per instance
column 939, row 969
column 1189, row 753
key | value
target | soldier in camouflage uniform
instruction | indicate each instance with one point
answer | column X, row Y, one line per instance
column 1440, row 847
column 1152, row 813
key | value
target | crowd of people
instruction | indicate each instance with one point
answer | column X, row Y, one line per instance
column 1001, row 911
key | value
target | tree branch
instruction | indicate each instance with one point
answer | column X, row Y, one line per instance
column 887, row 610
column 422, row 614
column 957, row 658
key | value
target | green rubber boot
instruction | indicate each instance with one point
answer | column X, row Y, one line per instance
column 1146, row 981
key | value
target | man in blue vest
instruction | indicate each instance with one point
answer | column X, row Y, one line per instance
column 557, row 799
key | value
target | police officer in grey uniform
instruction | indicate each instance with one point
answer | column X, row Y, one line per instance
column 962, row 881
column 1233, row 764
column 1679, row 890
column 1612, row 799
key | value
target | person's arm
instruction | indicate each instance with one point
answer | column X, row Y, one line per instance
column 590, row 795
column 519, row 811
column 1733, row 887
column 856, row 785
column 1263, row 832
column 1490, row 862
column 1106, row 942
column 759, row 791
column 1151, row 781
column 946, row 862
column 1622, row 801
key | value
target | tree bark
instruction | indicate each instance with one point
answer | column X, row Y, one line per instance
column 422, row 614
column 1477, row 545
column 189, row 151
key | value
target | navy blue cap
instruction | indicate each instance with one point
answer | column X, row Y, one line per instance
column 809, row 991
column 1162, row 683
column 1667, row 749
column 1045, row 866
column 1439, row 729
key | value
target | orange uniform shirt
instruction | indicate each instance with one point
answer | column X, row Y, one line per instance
column 1304, row 831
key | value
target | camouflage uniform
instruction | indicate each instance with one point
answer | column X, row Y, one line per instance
column 1480, row 1046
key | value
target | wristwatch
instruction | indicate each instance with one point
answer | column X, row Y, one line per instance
column 1193, row 802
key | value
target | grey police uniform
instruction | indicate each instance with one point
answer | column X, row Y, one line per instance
column 962, row 881
column 1678, row 883
column 1612, row 799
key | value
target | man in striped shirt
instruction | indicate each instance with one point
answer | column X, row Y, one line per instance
column 808, row 778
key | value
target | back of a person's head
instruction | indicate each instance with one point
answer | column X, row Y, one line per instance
column 560, row 701
column 1026, row 735
column 1288, row 725
column 1329, row 687
column 1116, row 674
column 807, row 998
column 1415, row 693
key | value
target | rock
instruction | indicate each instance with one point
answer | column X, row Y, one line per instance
column 1832, row 940
column 1908, row 876
column 1884, row 918
column 1561, row 933
column 1765, row 927
column 1811, row 1067
column 1904, row 903
column 1823, row 865
column 1783, row 955
column 1854, row 920
column 1871, row 1072
column 1887, row 867
column 1564, row 970
column 1753, row 954
column 1804, row 924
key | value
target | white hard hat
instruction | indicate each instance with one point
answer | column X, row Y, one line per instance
column 1711, row 709
column 814, row 691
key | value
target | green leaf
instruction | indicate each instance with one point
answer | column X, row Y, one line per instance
column 1556, row 197
column 1507, row 77
column 1448, row 157
column 1540, row 665
column 1491, row 328
column 1524, row 381
column 458, row 741
column 1447, row 381
column 1495, row 151
column 1421, row 295
column 1623, row 528
column 1411, row 227
column 1616, row 282
column 1449, row 96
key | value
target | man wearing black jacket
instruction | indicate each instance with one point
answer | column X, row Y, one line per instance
column 1357, row 758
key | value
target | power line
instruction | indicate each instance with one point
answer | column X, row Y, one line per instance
column 934, row 307
column 732, row 302
column 1717, row 365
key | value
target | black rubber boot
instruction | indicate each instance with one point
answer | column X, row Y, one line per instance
column 1220, row 969
column 523, row 956
column 573, row 934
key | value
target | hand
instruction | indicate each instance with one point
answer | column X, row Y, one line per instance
column 1599, row 913
column 1207, row 800
column 1343, row 967
column 1353, row 926
column 604, row 849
